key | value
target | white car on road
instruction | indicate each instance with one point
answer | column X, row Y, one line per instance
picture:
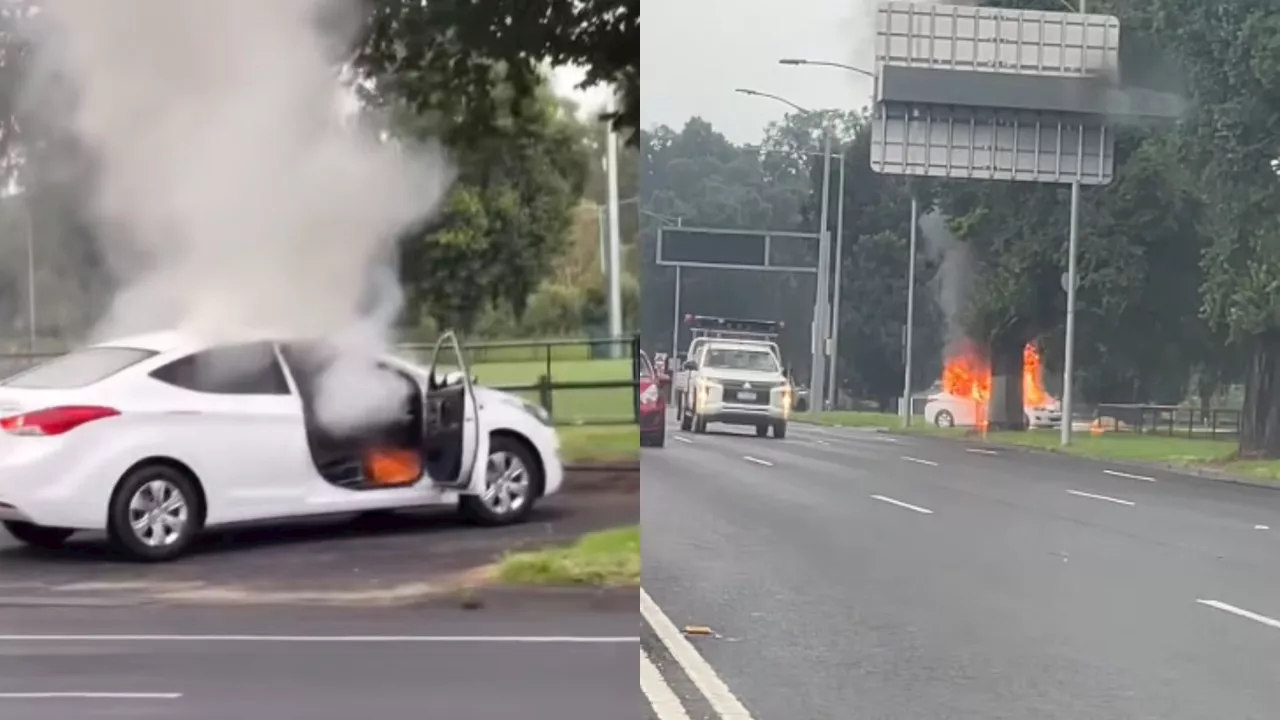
column 136, row 438
column 737, row 383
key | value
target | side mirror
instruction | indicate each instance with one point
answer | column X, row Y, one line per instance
column 690, row 364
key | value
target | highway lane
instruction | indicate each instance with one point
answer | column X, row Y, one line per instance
column 295, row 663
column 877, row 577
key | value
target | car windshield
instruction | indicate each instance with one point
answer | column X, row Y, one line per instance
column 78, row 369
column 741, row 359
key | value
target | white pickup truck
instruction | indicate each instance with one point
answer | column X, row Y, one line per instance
column 736, row 382
column 706, row 328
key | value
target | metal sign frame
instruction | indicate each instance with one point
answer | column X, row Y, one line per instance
column 768, row 235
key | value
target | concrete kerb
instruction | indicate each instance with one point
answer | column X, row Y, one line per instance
column 1190, row 473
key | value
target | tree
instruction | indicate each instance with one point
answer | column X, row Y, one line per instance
column 448, row 56
column 1230, row 56
column 507, row 218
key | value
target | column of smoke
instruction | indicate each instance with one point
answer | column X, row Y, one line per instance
column 954, row 278
column 242, row 205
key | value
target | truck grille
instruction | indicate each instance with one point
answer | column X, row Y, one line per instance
column 733, row 390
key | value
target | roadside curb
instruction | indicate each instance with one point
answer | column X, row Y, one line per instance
column 1190, row 473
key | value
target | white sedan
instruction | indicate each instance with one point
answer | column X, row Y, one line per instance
column 136, row 439
column 947, row 410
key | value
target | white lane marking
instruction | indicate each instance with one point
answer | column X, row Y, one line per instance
column 1261, row 527
column 757, row 461
column 820, row 441
column 901, row 504
column 700, row 672
column 1117, row 473
column 1101, row 497
column 919, row 461
column 665, row 703
column 1241, row 612
column 418, row 639
column 981, row 451
column 88, row 696
column 682, row 439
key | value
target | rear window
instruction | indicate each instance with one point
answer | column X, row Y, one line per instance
column 78, row 368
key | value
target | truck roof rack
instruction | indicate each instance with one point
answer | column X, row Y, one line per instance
column 732, row 328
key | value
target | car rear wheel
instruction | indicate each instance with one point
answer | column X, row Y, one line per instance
column 38, row 536
column 944, row 419
column 155, row 514
column 512, row 484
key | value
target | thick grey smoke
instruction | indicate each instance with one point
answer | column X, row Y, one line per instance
column 955, row 275
column 246, row 206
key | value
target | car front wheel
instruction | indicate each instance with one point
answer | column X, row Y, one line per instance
column 38, row 536
column 512, row 483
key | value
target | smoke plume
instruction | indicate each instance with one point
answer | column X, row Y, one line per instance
column 236, row 198
column 954, row 279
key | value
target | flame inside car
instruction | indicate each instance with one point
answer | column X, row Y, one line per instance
column 392, row 467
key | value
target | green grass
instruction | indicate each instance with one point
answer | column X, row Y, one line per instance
column 1147, row 448
column 849, row 418
column 600, row 443
column 610, row 558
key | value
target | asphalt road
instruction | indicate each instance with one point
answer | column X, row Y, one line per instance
column 857, row 576
column 297, row 663
column 387, row 556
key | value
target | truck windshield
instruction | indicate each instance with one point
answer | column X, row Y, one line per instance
column 739, row 359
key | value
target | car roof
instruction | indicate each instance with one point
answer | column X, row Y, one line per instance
column 158, row 342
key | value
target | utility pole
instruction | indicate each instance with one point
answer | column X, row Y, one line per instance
column 911, row 312
column 615, row 234
column 1073, row 279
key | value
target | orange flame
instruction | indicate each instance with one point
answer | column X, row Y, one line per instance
column 966, row 374
column 1033, row 392
column 392, row 467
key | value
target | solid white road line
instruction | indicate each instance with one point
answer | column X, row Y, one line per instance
column 420, row 639
column 700, row 672
column 1241, row 612
column 1117, row 473
column 1261, row 527
column 757, row 461
column 1101, row 497
column 919, row 461
column 901, row 504
column 665, row 703
column 981, row 451
column 88, row 696
column 682, row 439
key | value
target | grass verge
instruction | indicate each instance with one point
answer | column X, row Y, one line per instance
column 1144, row 448
column 600, row 443
column 849, row 418
column 609, row 558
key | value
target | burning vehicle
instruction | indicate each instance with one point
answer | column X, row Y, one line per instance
column 960, row 397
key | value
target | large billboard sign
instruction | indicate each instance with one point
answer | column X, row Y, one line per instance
column 996, row 94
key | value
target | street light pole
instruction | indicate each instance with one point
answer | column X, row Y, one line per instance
column 817, row 368
column 615, row 235
column 832, row 385
column 1073, row 245
column 911, row 313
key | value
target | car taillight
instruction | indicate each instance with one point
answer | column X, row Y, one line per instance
column 649, row 395
column 55, row 421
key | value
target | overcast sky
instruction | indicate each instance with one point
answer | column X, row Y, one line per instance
column 693, row 53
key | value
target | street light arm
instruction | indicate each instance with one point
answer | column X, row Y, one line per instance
column 827, row 63
column 784, row 101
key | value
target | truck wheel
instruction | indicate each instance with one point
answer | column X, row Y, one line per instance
column 780, row 430
column 762, row 430
column 686, row 421
column 679, row 406
column 699, row 424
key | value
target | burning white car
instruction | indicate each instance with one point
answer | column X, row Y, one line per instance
column 944, row 409
column 154, row 438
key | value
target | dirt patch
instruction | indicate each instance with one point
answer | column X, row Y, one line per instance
column 620, row 478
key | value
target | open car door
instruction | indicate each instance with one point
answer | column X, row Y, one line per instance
column 451, row 427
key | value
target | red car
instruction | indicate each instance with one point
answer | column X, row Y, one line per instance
column 653, row 406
